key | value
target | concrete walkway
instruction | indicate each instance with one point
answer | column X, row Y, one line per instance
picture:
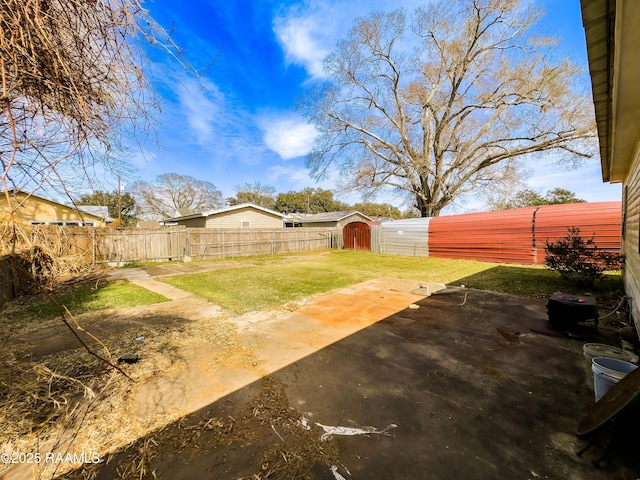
column 140, row 277
column 273, row 340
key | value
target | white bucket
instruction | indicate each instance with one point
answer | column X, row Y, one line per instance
column 593, row 350
column 607, row 372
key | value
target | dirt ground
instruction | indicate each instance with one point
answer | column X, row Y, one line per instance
column 389, row 379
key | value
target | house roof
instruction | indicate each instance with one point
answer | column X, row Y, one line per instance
column 217, row 211
column 148, row 224
column 100, row 211
column 328, row 216
column 184, row 211
column 613, row 40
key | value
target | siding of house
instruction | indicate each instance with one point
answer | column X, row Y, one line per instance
column 631, row 237
column 235, row 219
column 198, row 222
column 321, row 225
column 40, row 210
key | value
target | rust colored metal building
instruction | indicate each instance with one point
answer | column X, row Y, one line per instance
column 519, row 236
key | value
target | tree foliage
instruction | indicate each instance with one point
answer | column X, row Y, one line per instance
column 171, row 192
column 72, row 80
column 578, row 259
column 72, row 83
column 309, row 200
column 446, row 102
column 128, row 208
column 531, row 198
column 256, row 193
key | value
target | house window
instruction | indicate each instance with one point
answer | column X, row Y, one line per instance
column 57, row 222
column 245, row 223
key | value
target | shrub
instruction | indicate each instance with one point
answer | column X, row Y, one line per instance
column 578, row 259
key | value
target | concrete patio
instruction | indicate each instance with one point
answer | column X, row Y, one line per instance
column 470, row 385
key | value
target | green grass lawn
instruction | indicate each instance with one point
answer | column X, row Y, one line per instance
column 88, row 297
column 252, row 288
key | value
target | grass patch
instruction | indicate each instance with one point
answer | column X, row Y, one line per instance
column 268, row 285
column 89, row 297
column 534, row 281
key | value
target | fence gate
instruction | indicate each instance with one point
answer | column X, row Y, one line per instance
column 357, row 236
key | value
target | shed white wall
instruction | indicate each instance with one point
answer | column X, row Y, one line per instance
column 235, row 219
column 405, row 237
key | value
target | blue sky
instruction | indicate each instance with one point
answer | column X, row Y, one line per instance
column 238, row 122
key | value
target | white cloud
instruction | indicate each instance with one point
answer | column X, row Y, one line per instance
column 304, row 42
column 289, row 137
column 307, row 34
column 296, row 176
column 201, row 105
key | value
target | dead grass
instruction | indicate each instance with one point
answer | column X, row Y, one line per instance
column 70, row 402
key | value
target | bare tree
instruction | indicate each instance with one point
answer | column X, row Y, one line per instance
column 72, row 82
column 256, row 193
column 171, row 193
column 452, row 104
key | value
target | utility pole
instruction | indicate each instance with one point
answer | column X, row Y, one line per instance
column 119, row 204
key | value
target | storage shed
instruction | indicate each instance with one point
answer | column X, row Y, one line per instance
column 357, row 235
column 405, row 237
column 326, row 219
column 497, row 236
column 503, row 236
column 519, row 236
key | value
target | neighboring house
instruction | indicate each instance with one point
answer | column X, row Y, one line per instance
column 612, row 29
column 245, row 215
column 326, row 219
column 35, row 210
column 148, row 224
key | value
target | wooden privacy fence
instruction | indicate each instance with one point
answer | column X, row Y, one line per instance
column 175, row 243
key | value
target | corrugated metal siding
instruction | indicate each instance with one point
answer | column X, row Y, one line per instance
column 405, row 237
column 500, row 236
column 518, row 236
column 600, row 220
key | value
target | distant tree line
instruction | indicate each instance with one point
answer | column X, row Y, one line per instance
column 172, row 195
column 531, row 198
